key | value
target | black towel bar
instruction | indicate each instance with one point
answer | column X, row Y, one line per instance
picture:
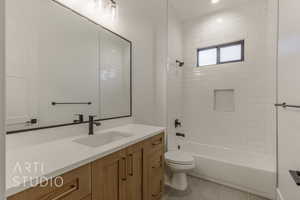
column 285, row 105
column 71, row 103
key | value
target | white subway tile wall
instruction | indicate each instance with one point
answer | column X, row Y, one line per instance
column 251, row 127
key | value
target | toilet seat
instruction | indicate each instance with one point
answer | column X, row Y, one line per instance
column 179, row 157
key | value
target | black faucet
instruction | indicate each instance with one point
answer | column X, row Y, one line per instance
column 92, row 123
column 80, row 118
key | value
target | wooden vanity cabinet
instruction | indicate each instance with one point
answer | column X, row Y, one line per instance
column 134, row 173
column 153, row 175
column 119, row 176
column 88, row 198
column 134, row 183
column 109, row 177
column 76, row 185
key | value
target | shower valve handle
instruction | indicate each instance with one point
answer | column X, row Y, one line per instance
column 177, row 123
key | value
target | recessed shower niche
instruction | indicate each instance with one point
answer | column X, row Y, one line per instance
column 224, row 100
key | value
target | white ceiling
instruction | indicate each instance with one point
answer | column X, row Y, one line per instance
column 187, row 9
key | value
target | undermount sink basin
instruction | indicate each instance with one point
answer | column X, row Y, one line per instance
column 102, row 139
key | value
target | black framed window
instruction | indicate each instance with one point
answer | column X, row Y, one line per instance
column 221, row 54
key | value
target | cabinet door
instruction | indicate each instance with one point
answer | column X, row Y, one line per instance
column 153, row 162
column 134, row 185
column 155, row 175
column 109, row 177
column 88, row 198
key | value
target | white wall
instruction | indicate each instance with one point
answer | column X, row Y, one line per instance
column 251, row 126
column 161, row 53
column 174, row 75
column 288, row 87
column 2, row 99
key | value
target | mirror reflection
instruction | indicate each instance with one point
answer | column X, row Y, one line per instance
column 62, row 67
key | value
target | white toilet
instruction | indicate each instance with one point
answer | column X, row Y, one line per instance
column 179, row 163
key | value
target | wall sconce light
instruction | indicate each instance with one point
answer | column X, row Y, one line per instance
column 107, row 8
column 113, row 7
column 113, row 2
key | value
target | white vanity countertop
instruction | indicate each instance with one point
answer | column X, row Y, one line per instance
column 53, row 158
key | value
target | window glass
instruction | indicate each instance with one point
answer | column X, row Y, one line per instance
column 220, row 54
column 207, row 57
column 231, row 53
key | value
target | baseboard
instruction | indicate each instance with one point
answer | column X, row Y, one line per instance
column 279, row 195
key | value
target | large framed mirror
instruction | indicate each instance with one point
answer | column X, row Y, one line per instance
column 61, row 65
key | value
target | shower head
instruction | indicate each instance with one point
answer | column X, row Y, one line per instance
column 180, row 64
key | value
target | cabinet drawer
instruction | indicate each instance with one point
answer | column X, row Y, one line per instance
column 76, row 185
column 155, row 143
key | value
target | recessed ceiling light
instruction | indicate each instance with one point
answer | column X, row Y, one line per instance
column 215, row 1
column 220, row 20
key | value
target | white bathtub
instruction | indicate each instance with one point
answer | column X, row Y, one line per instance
column 253, row 173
